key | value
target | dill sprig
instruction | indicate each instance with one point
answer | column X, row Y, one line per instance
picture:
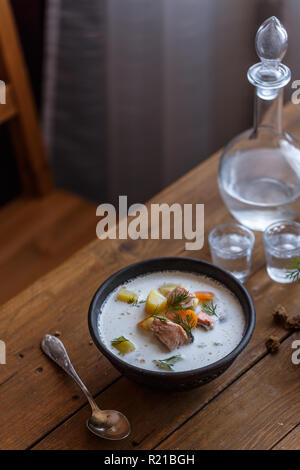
column 186, row 324
column 210, row 308
column 178, row 299
column 293, row 271
column 155, row 312
column 167, row 364
column 119, row 340
column 135, row 302
column 162, row 319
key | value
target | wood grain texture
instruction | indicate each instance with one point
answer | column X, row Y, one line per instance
column 30, row 375
column 60, row 301
column 255, row 412
column 290, row 442
column 37, row 234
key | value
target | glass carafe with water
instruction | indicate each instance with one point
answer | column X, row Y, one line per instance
column 259, row 174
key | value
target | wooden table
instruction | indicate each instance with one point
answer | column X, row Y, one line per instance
column 254, row 405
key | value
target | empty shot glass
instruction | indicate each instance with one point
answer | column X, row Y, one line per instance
column 231, row 247
column 282, row 250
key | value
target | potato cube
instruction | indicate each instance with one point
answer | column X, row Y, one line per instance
column 166, row 288
column 146, row 324
column 123, row 345
column 125, row 295
column 156, row 302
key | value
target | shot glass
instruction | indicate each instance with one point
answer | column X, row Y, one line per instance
column 231, row 247
column 282, row 249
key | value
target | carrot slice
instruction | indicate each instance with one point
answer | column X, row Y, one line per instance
column 202, row 296
column 188, row 316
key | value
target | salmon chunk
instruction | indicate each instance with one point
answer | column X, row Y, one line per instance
column 171, row 315
column 180, row 297
column 170, row 334
column 205, row 320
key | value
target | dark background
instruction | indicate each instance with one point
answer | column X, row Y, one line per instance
column 29, row 15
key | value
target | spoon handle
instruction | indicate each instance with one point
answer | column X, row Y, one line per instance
column 55, row 349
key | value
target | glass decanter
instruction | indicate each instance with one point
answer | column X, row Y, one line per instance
column 259, row 174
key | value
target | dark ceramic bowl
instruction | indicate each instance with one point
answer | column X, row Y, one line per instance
column 172, row 380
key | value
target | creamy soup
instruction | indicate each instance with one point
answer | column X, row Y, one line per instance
column 119, row 319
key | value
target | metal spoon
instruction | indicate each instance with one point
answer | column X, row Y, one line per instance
column 108, row 424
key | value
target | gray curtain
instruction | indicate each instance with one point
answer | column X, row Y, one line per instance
column 74, row 111
column 137, row 92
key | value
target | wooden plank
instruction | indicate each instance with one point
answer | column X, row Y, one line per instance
column 155, row 415
column 290, row 442
column 34, row 239
column 28, row 375
column 254, row 413
column 8, row 110
column 26, row 135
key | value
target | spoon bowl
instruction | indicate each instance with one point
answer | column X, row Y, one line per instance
column 115, row 426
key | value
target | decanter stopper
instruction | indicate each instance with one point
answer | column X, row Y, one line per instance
column 271, row 41
column 270, row 74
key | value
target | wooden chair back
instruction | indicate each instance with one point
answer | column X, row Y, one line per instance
column 19, row 111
